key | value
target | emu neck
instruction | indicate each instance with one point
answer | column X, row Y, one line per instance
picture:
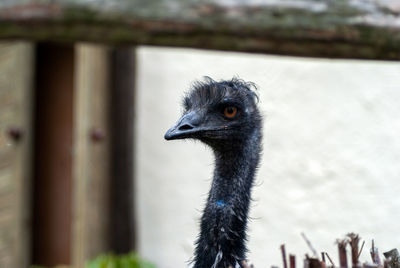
column 223, row 224
column 235, row 167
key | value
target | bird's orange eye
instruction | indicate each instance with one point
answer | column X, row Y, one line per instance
column 230, row 111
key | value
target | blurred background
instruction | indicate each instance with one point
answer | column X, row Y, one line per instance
column 84, row 168
column 329, row 164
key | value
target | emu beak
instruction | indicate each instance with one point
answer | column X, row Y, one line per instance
column 186, row 127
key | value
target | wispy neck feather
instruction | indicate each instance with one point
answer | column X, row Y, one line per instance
column 223, row 225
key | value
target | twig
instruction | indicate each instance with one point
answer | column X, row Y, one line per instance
column 284, row 256
column 309, row 245
column 314, row 263
column 374, row 254
column 359, row 253
column 329, row 258
column 292, row 261
column 354, row 240
column 342, row 253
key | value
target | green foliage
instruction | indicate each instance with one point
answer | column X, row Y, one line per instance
column 131, row 260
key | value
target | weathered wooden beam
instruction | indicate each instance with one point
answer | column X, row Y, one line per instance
column 122, row 224
column 16, row 135
column 52, row 159
column 91, row 169
column 368, row 29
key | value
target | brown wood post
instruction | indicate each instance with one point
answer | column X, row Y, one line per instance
column 53, row 154
column 91, row 171
column 122, row 224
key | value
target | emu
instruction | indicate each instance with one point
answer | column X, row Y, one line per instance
column 224, row 115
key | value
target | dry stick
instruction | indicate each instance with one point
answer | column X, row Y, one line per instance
column 309, row 245
column 342, row 253
column 292, row 261
column 374, row 254
column 359, row 253
column 306, row 261
column 329, row 258
column 314, row 263
column 284, row 256
column 354, row 240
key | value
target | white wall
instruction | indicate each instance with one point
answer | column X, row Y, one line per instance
column 331, row 153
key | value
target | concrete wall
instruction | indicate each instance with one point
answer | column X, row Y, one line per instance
column 330, row 163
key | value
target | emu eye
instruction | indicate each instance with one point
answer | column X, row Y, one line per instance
column 230, row 111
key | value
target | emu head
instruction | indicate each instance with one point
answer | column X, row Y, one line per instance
column 218, row 113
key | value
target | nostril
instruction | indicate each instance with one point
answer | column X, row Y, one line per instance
column 185, row 127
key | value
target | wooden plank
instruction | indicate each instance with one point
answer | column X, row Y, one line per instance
column 15, row 152
column 122, row 158
column 368, row 29
column 91, row 176
column 52, row 154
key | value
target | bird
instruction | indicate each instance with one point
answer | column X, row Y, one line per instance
column 225, row 116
